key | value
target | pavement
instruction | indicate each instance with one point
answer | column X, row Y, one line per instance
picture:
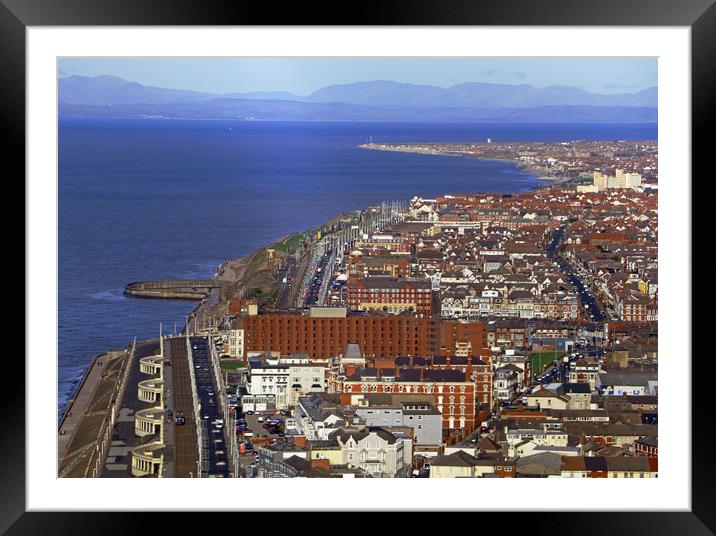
column 119, row 463
column 185, row 443
column 87, row 419
column 77, row 408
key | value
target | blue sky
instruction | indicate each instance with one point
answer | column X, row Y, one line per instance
column 302, row 76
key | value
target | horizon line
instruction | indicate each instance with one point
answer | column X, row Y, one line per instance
column 60, row 76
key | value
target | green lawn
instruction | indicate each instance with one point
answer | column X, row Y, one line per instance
column 290, row 244
column 257, row 262
column 539, row 360
column 231, row 365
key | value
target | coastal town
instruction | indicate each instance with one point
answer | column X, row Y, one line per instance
column 474, row 335
column 572, row 162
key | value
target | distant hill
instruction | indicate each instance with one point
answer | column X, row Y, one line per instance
column 102, row 90
column 265, row 95
column 105, row 89
column 384, row 93
column 109, row 96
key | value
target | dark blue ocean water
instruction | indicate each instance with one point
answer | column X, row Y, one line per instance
column 151, row 199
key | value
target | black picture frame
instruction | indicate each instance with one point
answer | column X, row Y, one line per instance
column 699, row 15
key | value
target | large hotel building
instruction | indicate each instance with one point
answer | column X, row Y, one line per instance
column 326, row 332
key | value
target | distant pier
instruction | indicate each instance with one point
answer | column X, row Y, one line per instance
column 174, row 289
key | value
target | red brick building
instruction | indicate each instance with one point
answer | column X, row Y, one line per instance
column 636, row 307
column 479, row 369
column 453, row 391
column 377, row 336
column 647, row 446
column 372, row 265
column 390, row 294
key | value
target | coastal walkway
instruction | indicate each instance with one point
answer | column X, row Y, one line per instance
column 84, row 432
column 77, row 406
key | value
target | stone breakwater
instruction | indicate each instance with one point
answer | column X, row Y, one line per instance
column 177, row 289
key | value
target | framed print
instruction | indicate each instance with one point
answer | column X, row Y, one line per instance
column 420, row 244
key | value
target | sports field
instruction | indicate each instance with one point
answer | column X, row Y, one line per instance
column 539, row 360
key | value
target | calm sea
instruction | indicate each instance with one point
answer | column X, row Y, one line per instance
column 152, row 199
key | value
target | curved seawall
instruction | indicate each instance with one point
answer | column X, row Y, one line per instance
column 173, row 289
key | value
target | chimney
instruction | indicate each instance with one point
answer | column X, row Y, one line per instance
column 323, row 463
column 299, row 441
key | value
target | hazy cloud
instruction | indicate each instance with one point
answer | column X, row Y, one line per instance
column 62, row 71
column 621, row 86
column 489, row 72
column 520, row 74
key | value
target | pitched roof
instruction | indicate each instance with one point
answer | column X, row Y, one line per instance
column 459, row 458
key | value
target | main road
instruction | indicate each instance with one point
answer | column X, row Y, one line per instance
column 592, row 306
column 215, row 461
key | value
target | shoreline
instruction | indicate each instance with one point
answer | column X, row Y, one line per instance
column 233, row 270
column 520, row 165
column 238, row 266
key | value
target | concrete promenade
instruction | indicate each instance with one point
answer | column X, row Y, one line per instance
column 84, row 432
column 77, row 406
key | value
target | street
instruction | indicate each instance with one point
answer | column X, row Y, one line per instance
column 586, row 299
column 214, row 448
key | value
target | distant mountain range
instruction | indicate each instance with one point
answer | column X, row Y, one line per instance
column 109, row 96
